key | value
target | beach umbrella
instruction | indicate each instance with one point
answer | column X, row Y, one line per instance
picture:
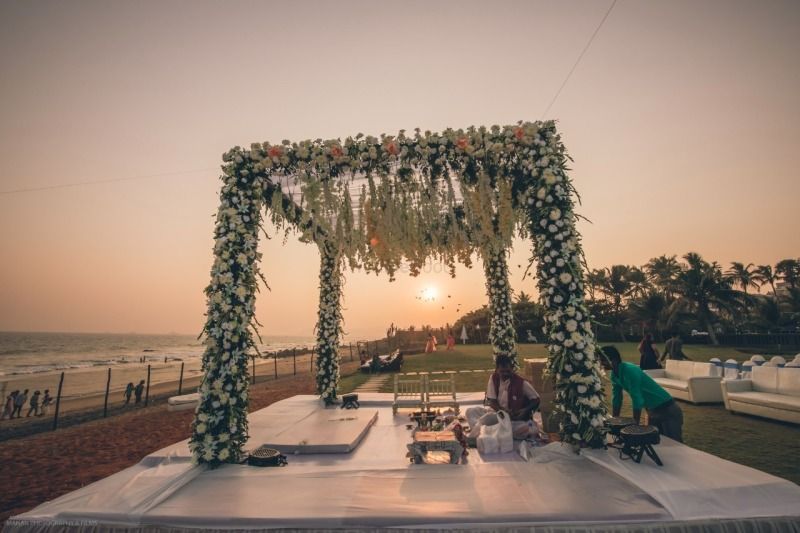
column 464, row 334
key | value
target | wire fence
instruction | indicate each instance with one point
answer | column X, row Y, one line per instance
column 42, row 402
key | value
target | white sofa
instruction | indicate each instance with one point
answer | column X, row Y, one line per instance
column 690, row 381
column 183, row 402
column 772, row 392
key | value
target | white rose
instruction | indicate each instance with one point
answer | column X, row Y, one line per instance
column 555, row 214
column 572, row 325
column 582, row 389
column 549, row 176
column 565, row 277
column 201, row 428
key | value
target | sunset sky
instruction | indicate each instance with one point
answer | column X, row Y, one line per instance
column 683, row 120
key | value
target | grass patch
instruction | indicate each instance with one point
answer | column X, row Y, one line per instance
column 766, row 445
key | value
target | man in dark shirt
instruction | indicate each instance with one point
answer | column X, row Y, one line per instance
column 673, row 349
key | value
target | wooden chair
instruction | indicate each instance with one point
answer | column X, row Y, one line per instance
column 441, row 392
column 408, row 392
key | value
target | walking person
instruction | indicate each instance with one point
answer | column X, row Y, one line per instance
column 19, row 403
column 138, row 392
column 128, row 392
column 673, row 349
column 8, row 407
column 648, row 353
column 46, row 401
column 34, row 404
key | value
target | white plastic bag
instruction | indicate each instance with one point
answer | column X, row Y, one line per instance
column 496, row 438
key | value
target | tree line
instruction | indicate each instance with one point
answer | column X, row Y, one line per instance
column 668, row 294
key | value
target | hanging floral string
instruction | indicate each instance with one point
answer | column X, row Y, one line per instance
column 501, row 327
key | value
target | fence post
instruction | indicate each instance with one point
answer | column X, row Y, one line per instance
column 105, row 402
column 351, row 351
column 311, row 368
column 180, row 380
column 58, row 402
column 294, row 360
column 254, row 368
column 275, row 363
column 147, row 391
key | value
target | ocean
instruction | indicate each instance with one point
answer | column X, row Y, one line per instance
column 30, row 353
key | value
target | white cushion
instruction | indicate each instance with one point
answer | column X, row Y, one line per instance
column 184, row 399
column 702, row 369
column 776, row 401
column 669, row 383
column 789, row 381
column 765, row 379
column 681, row 370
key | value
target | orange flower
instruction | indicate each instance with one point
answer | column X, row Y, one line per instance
column 462, row 142
column 336, row 151
column 275, row 151
column 374, row 242
column 392, row 148
column 519, row 133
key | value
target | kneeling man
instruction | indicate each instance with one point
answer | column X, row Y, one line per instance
column 662, row 410
column 508, row 392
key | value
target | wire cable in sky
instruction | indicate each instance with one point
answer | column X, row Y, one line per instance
column 585, row 48
column 110, row 180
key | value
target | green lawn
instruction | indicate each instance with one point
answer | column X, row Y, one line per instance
column 767, row 445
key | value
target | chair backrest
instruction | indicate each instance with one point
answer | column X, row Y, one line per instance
column 681, row 370
column 731, row 367
column 442, row 388
column 758, row 360
column 778, row 361
column 409, row 387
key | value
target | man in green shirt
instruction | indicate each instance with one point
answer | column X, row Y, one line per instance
column 645, row 393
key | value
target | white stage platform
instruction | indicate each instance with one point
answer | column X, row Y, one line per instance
column 374, row 487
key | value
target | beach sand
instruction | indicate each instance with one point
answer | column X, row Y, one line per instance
column 84, row 388
column 41, row 467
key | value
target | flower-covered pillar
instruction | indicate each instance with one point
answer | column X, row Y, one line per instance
column 573, row 363
column 501, row 315
column 219, row 430
column 329, row 321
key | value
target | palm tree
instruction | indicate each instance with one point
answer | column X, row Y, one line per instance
column 766, row 276
column 702, row 288
column 524, row 298
column 651, row 310
column 639, row 282
column 662, row 272
column 789, row 271
column 743, row 275
column 595, row 279
column 616, row 286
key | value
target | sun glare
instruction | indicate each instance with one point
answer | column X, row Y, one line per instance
column 429, row 294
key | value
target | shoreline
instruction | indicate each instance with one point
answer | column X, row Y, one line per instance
column 84, row 388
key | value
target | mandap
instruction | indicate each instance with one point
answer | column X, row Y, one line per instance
column 376, row 202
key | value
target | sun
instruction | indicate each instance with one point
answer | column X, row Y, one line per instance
column 429, row 294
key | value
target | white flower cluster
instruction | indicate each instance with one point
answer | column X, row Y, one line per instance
column 572, row 363
column 219, row 430
column 501, row 327
column 329, row 322
column 428, row 195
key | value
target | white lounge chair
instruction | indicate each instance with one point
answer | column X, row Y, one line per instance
column 772, row 393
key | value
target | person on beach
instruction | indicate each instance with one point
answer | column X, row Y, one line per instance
column 34, row 405
column 8, row 408
column 19, row 403
column 645, row 393
column 46, row 401
column 648, row 354
column 128, row 392
column 138, row 392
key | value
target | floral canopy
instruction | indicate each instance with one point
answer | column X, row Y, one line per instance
column 374, row 203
